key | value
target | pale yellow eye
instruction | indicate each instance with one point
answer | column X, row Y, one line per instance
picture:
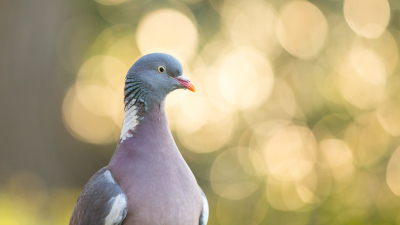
column 161, row 69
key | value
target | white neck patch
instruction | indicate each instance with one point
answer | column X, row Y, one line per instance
column 130, row 122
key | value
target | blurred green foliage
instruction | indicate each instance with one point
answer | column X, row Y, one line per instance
column 295, row 119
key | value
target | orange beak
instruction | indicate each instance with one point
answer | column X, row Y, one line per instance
column 184, row 82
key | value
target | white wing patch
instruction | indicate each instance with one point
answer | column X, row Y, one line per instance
column 206, row 210
column 130, row 122
column 116, row 214
column 109, row 177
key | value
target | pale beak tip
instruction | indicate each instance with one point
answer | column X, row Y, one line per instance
column 191, row 87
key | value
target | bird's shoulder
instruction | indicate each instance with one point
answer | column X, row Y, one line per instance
column 101, row 202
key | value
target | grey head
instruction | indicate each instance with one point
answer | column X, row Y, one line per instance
column 151, row 78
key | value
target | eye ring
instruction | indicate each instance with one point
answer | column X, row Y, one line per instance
column 161, row 69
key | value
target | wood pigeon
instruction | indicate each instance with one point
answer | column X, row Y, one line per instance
column 147, row 180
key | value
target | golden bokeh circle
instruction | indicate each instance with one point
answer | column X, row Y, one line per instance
column 290, row 153
column 167, row 30
column 338, row 157
column 213, row 135
column 302, row 29
column 245, row 78
column 362, row 78
column 384, row 46
column 292, row 196
column 85, row 125
column 252, row 23
column 388, row 115
column 367, row 18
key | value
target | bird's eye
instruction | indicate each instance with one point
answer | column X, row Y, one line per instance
column 161, row 69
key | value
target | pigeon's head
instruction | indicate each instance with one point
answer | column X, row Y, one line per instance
column 152, row 77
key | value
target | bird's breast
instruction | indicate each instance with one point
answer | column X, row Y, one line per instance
column 160, row 191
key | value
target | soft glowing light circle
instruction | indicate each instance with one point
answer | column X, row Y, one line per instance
column 302, row 29
column 167, row 30
column 367, row 18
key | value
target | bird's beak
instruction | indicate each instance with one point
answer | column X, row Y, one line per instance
column 184, row 82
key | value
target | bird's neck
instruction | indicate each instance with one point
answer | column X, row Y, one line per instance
column 138, row 114
column 146, row 136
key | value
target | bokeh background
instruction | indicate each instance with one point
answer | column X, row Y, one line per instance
column 296, row 118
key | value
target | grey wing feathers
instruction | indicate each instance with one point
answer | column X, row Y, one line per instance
column 102, row 202
column 205, row 212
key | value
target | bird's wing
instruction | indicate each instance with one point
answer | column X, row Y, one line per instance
column 101, row 202
column 204, row 213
